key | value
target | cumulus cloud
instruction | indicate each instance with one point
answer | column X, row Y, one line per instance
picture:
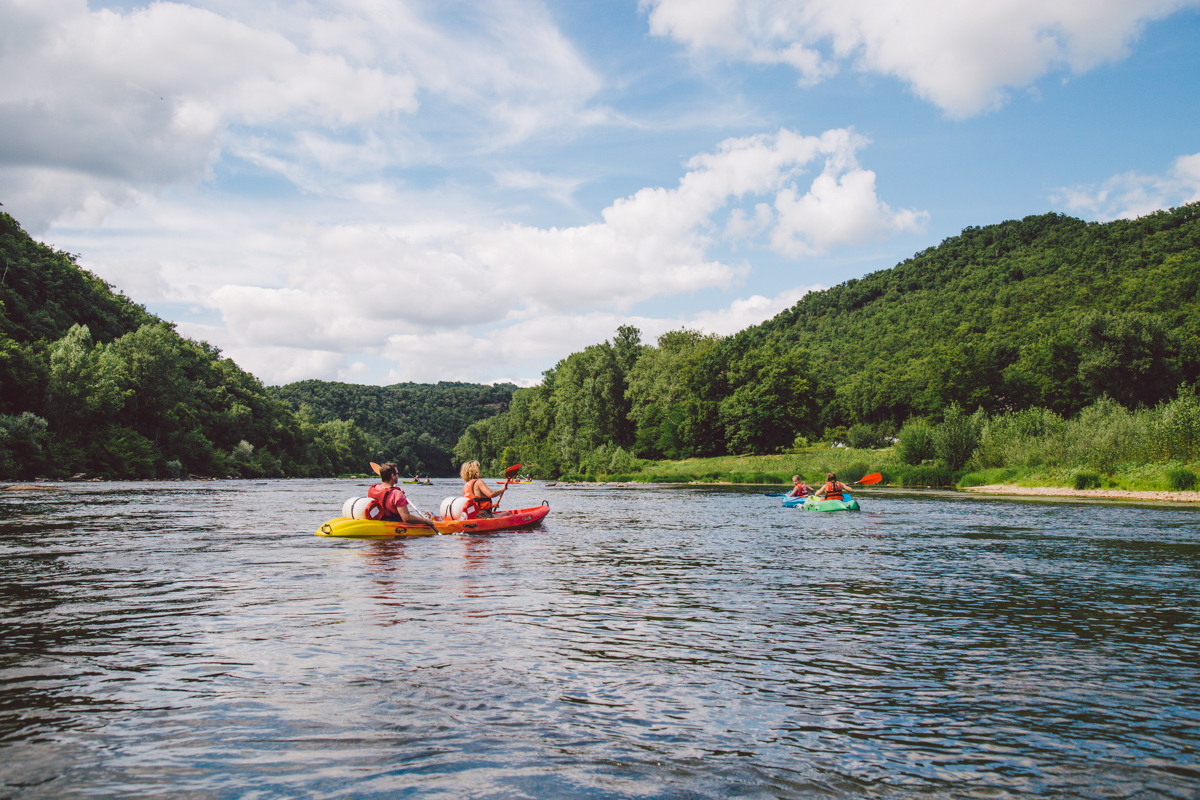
column 424, row 293
column 99, row 107
column 744, row 312
column 961, row 56
column 1132, row 194
column 519, row 347
column 355, row 280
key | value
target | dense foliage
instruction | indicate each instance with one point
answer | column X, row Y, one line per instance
column 90, row 382
column 416, row 425
column 1049, row 312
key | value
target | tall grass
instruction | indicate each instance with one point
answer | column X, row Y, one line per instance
column 811, row 464
column 1103, row 437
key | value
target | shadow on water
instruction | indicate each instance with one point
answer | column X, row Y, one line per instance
column 644, row 642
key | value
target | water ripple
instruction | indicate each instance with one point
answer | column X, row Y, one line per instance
column 195, row 639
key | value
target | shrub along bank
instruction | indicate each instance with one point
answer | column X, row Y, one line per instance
column 1103, row 446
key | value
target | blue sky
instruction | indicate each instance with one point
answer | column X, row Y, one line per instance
column 377, row 192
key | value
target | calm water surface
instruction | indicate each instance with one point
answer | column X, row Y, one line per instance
column 196, row 640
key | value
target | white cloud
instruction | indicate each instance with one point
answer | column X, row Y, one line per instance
column 315, row 296
column 1132, row 194
column 355, row 281
column 742, row 313
column 99, row 107
column 560, row 188
column 520, row 347
column 961, row 56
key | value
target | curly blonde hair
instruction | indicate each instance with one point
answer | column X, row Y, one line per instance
column 469, row 471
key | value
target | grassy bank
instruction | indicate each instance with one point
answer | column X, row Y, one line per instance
column 851, row 464
column 811, row 464
column 1169, row 477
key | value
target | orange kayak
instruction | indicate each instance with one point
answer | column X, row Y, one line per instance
column 378, row 529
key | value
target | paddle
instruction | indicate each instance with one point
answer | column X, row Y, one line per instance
column 867, row 480
column 508, row 474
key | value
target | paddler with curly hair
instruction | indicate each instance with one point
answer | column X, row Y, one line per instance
column 476, row 489
column 393, row 500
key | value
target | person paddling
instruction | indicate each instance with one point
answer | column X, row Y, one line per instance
column 833, row 489
column 476, row 489
column 799, row 488
column 392, row 500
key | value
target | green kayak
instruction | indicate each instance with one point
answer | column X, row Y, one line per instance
column 813, row 504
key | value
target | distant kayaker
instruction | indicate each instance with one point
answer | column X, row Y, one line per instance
column 393, row 500
column 476, row 489
column 799, row 488
column 833, row 489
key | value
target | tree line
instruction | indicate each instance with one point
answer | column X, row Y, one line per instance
column 1047, row 312
column 415, row 425
column 90, row 382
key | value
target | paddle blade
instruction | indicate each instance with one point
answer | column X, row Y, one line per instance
column 867, row 480
column 511, row 471
column 376, row 467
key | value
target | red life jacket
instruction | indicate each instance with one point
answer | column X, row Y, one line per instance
column 483, row 503
column 385, row 505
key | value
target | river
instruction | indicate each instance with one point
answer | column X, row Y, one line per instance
column 196, row 640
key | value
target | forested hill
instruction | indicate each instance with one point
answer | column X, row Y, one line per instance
column 417, row 424
column 1048, row 312
column 91, row 383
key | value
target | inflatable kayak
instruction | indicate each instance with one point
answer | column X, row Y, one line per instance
column 813, row 503
column 378, row 529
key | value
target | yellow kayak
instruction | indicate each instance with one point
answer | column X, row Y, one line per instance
column 347, row 528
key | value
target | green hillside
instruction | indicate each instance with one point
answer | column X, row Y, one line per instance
column 1048, row 312
column 416, row 424
column 92, row 383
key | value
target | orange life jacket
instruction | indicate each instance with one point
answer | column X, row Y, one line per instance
column 482, row 503
column 835, row 490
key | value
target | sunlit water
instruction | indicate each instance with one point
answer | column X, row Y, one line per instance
column 196, row 640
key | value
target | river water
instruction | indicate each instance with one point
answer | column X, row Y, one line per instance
column 195, row 640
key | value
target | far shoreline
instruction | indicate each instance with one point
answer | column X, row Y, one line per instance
column 1094, row 494
column 998, row 489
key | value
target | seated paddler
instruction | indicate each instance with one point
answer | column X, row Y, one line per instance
column 799, row 488
column 476, row 489
column 392, row 500
column 833, row 489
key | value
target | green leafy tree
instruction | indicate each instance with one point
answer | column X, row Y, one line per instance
column 774, row 399
column 957, row 438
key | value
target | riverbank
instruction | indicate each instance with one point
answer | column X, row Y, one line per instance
column 1094, row 494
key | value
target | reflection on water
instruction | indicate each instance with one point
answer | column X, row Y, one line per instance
column 676, row 642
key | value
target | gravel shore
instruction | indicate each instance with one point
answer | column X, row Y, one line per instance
column 1095, row 494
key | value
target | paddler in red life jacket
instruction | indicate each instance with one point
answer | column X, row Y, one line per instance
column 799, row 488
column 392, row 500
column 833, row 489
column 475, row 488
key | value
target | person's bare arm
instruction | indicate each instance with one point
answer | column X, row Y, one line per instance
column 412, row 519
